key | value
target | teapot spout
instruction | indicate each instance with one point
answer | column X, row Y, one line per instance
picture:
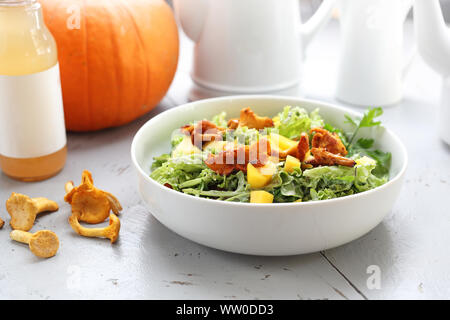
column 191, row 16
column 432, row 34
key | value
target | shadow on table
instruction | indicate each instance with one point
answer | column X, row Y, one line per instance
column 90, row 140
column 184, row 257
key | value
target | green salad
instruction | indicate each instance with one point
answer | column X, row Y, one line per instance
column 295, row 156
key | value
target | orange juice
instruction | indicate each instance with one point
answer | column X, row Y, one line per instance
column 32, row 130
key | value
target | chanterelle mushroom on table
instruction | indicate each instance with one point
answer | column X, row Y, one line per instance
column 111, row 232
column 1, row 223
column 89, row 203
column 23, row 210
column 43, row 244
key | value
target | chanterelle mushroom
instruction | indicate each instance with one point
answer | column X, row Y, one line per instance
column 249, row 119
column 1, row 223
column 327, row 140
column 43, row 244
column 23, row 210
column 111, row 232
column 89, row 203
column 324, row 158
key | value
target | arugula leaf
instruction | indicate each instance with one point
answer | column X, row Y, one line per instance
column 363, row 146
column 351, row 121
column 240, row 197
column 366, row 121
column 365, row 143
column 215, row 193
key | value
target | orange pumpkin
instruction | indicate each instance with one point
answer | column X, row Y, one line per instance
column 117, row 58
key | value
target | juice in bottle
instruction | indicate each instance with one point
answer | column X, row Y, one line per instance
column 32, row 130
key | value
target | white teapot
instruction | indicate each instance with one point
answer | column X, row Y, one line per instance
column 248, row 46
column 433, row 42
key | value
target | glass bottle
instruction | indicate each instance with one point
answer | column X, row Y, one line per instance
column 32, row 130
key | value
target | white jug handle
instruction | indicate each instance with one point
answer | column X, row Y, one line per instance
column 407, row 5
column 409, row 61
column 309, row 29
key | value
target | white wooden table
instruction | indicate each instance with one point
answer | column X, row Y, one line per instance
column 409, row 248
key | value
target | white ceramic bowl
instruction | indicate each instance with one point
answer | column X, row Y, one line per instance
column 262, row 229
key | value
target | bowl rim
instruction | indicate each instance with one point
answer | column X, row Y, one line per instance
column 141, row 172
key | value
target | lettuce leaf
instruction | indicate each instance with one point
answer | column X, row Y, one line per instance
column 293, row 121
column 185, row 171
column 363, row 147
column 160, row 160
column 243, row 135
column 176, row 171
column 325, row 182
column 176, row 138
column 220, row 119
column 232, row 188
column 316, row 119
column 365, row 179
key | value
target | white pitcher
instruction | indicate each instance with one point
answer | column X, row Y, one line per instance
column 248, row 46
column 371, row 63
column 433, row 41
